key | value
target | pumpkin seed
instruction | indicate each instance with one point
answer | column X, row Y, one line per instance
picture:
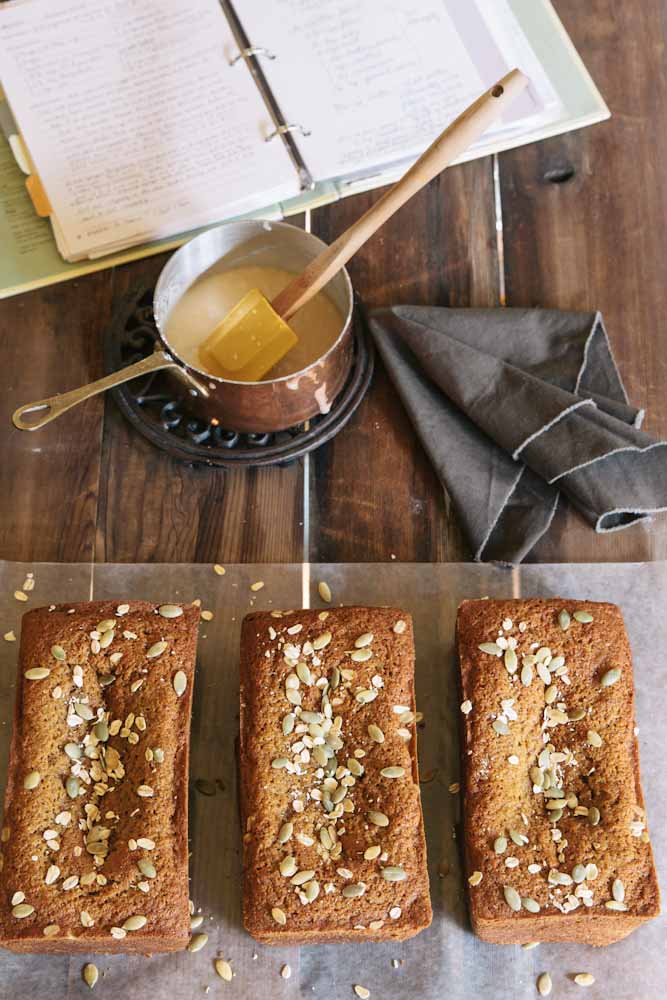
column 223, row 969
column 530, row 904
column 584, row 979
column 22, row 910
column 353, row 891
column 321, row 641
column 577, row 715
column 371, row 853
column 610, row 677
column 526, row 676
column 72, row 787
column 364, row 640
column 180, row 682
column 543, row 673
column 394, row 874
column 491, row 648
column 361, row 655
column 375, row 733
column 134, row 923
column 475, row 879
column 145, row 791
column 288, row 866
column 170, row 610
column 107, row 638
column 157, row 649
column 312, row 890
column 399, row 627
column 500, row 845
column 544, row 984
column 512, row 898
column 564, row 620
column 520, row 839
column 278, row 916
column 616, row 904
column 286, row 831
column 594, row 739
column 58, row 653
column 196, row 922
column 197, row 942
column 392, row 772
column 90, row 974
column 37, row 673
column 579, row 874
column 618, row 890
column 83, row 711
column 32, row 780
column 551, row 694
column 362, row 992
column 501, row 728
column 593, row 815
column 146, row 868
column 511, row 661
column 584, row 617
column 378, row 818
column 52, row 874
column 302, row 877
column 324, row 591
column 304, row 674
column 101, row 731
column 51, row 930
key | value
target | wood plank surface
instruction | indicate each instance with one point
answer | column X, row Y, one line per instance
column 374, row 494
column 49, row 341
column 585, row 227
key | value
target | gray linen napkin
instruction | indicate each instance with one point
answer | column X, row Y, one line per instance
column 515, row 406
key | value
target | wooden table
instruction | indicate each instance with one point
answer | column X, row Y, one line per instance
column 583, row 227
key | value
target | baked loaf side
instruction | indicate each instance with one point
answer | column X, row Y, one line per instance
column 333, row 834
column 556, row 844
column 94, row 835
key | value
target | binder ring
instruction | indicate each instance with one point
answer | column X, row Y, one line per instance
column 284, row 130
column 252, row 50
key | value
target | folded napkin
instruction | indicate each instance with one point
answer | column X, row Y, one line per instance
column 514, row 407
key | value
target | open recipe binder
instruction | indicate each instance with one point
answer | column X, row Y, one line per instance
column 131, row 126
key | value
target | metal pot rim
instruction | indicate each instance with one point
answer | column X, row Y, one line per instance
column 265, row 382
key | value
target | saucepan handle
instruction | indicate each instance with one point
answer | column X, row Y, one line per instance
column 46, row 410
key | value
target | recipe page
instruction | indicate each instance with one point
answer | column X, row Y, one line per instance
column 375, row 83
column 137, row 123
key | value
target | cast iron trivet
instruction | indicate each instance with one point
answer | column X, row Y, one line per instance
column 150, row 406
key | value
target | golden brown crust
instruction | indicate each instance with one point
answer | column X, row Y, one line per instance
column 150, row 718
column 501, row 794
column 272, row 796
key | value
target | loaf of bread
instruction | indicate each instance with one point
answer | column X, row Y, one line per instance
column 556, row 842
column 94, row 835
column 334, row 844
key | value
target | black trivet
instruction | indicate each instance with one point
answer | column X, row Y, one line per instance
column 151, row 407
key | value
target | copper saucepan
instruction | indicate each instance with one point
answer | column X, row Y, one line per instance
column 271, row 405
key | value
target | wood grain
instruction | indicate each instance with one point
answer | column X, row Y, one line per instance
column 49, row 341
column 374, row 494
column 585, row 227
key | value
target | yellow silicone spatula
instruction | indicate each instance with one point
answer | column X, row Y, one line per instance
column 255, row 335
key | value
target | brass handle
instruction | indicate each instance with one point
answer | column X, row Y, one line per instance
column 54, row 406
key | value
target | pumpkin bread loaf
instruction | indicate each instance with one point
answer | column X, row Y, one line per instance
column 333, row 833
column 556, row 843
column 94, row 836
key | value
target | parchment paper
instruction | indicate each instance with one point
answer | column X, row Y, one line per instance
column 445, row 961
